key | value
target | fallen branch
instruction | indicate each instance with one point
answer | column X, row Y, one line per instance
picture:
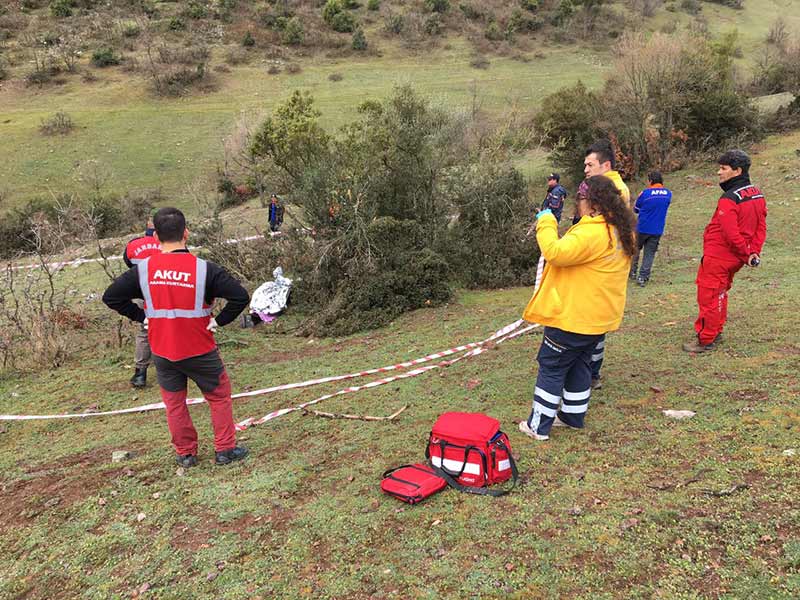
column 727, row 491
column 328, row 415
column 233, row 341
column 668, row 487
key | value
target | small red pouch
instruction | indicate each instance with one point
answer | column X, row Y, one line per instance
column 412, row 483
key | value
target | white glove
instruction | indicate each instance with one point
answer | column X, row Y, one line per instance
column 212, row 325
column 144, row 324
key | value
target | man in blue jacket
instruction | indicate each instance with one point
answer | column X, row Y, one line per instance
column 555, row 196
column 651, row 206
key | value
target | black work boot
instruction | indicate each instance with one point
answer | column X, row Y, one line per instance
column 186, row 460
column 139, row 379
column 226, row 457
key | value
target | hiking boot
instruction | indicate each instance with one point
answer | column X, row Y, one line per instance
column 186, row 460
column 596, row 383
column 525, row 428
column 696, row 347
column 226, row 457
column 718, row 339
column 139, row 379
column 641, row 282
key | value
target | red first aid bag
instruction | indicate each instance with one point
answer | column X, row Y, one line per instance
column 470, row 452
column 412, row 483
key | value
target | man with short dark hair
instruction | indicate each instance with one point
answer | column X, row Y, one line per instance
column 556, row 195
column 651, row 206
column 136, row 251
column 599, row 160
column 733, row 238
column 178, row 290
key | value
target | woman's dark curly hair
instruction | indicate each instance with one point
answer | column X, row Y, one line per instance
column 605, row 199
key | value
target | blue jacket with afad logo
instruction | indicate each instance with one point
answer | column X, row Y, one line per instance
column 651, row 206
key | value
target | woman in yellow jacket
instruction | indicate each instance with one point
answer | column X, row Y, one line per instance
column 580, row 297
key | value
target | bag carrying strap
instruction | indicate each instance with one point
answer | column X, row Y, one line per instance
column 480, row 491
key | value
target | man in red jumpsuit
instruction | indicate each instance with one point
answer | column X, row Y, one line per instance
column 732, row 239
column 178, row 290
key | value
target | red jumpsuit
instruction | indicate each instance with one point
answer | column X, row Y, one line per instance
column 737, row 230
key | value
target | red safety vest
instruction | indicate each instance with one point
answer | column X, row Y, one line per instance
column 140, row 248
column 174, row 287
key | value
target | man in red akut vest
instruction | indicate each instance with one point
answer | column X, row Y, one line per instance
column 178, row 289
column 732, row 239
column 135, row 252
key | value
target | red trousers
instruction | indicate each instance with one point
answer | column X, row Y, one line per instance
column 208, row 372
column 714, row 279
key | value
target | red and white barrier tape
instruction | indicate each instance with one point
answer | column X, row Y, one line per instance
column 505, row 331
column 247, row 423
column 81, row 261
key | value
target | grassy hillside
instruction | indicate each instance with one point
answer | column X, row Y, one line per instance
column 144, row 142
column 635, row 506
column 139, row 140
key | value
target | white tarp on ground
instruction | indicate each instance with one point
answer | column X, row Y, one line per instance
column 271, row 297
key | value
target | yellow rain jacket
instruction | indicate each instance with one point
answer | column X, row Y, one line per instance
column 616, row 179
column 585, row 277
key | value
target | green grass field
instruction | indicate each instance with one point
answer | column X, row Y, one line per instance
column 623, row 509
column 146, row 143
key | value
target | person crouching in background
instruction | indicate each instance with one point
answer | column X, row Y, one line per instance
column 581, row 297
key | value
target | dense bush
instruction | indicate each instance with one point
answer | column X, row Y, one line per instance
column 666, row 98
column 344, row 22
column 335, row 14
column 47, row 225
column 471, row 10
column 359, row 40
column 487, row 245
column 438, row 6
column 494, row 32
column 293, row 33
column 373, row 4
column 778, row 70
column 61, row 8
column 433, row 25
column 402, row 204
column 105, row 57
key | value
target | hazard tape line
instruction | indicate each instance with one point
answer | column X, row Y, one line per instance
column 81, row 261
column 251, row 422
column 289, row 386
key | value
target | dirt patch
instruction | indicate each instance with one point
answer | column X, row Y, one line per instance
column 51, row 487
column 749, row 395
column 194, row 537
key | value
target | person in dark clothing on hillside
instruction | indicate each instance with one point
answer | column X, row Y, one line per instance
column 734, row 238
column 136, row 251
column 178, row 290
column 275, row 214
column 556, row 195
column 651, row 206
